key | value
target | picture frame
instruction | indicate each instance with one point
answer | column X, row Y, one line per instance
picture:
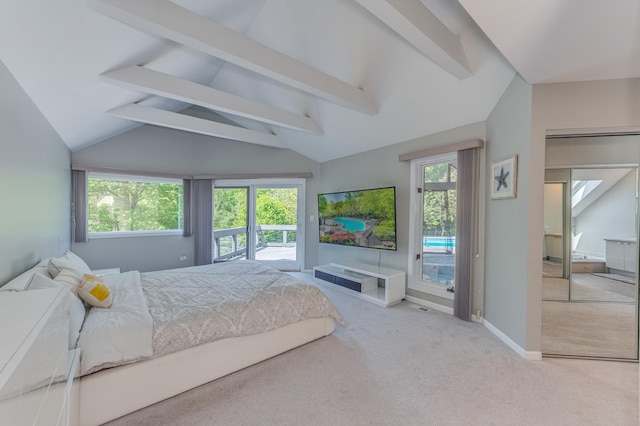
column 504, row 178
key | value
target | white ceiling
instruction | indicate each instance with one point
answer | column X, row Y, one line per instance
column 424, row 65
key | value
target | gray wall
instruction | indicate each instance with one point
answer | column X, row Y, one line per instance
column 379, row 168
column 156, row 149
column 34, row 183
column 508, row 133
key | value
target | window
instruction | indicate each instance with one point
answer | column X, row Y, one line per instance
column 119, row 205
column 439, row 223
column 434, row 225
column 444, row 229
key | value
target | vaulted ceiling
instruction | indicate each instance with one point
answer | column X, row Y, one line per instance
column 324, row 78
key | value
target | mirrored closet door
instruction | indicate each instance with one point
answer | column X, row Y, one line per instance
column 590, row 260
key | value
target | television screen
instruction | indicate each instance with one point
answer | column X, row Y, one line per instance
column 364, row 218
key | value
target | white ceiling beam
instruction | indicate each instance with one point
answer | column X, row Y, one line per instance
column 168, row 86
column 414, row 22
column 168, row 20
column 174, row 120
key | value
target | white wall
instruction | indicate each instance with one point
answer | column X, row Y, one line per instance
column 34, row 183
column 611, row 215
column 553, row 208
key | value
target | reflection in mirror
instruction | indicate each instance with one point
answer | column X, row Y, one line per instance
column 603, row 228
column 555, row 279
column 589, row 290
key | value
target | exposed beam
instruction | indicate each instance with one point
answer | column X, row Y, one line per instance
column 173, row 120
column 414, row 22
column 157, row 83
column 168, row 20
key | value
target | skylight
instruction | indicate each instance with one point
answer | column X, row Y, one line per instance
column 581, row 188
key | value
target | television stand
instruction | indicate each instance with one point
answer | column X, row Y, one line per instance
column 363, row 280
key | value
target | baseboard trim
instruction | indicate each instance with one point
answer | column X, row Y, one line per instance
column 430, row 305
column 477, row 319
column 528, row 355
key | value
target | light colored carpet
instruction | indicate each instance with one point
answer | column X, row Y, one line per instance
column 598, row 322
column 588, row 287
column 403, row 366
column 589, row 329
column 617, row 277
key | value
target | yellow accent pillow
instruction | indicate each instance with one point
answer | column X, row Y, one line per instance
column 94, row 291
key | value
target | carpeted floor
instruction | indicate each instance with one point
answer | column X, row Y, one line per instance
column 600, row 320
column 588, row 288
column 601, row 330
column 616, row 277
column 404, row 366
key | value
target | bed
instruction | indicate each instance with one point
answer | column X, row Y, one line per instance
column 170, row 331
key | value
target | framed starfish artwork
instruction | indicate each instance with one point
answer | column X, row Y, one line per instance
column 504, row 175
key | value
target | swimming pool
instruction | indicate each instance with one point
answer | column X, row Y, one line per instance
column 351, row 225
column 439, row 242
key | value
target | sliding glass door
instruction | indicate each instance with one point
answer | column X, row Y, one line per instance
column 260, row 220
column 276, row 224
column 230, row 223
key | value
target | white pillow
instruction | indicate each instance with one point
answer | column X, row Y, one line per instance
column 21, row 282
column 70, row 279
column 77, row 311
column 71, row 261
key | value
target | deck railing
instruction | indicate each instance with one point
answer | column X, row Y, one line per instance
column 238, row 240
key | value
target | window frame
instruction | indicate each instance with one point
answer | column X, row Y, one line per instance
column 415, row 281
column 135, row 178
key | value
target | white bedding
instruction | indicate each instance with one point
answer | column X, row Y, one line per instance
column 201, row 304
column 157, row 313
column 121, row 334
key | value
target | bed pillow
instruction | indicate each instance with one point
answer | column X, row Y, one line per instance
column 77, row 311
column 71, row 261
column 21, row 282
column 70, row 279
column 95, row 292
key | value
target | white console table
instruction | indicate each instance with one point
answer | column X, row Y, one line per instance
column 363, row 280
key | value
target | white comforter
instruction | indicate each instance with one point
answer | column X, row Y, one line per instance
column 121, row 334
column 156, row 313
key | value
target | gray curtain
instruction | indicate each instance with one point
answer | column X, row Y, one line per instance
column 79, row 206
column 186, row 195
column 465, row 229
column 202, row 195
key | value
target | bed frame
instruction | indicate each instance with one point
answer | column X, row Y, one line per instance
column 114, row 392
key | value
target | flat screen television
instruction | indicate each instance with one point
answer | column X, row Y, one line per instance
column 362, row 218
